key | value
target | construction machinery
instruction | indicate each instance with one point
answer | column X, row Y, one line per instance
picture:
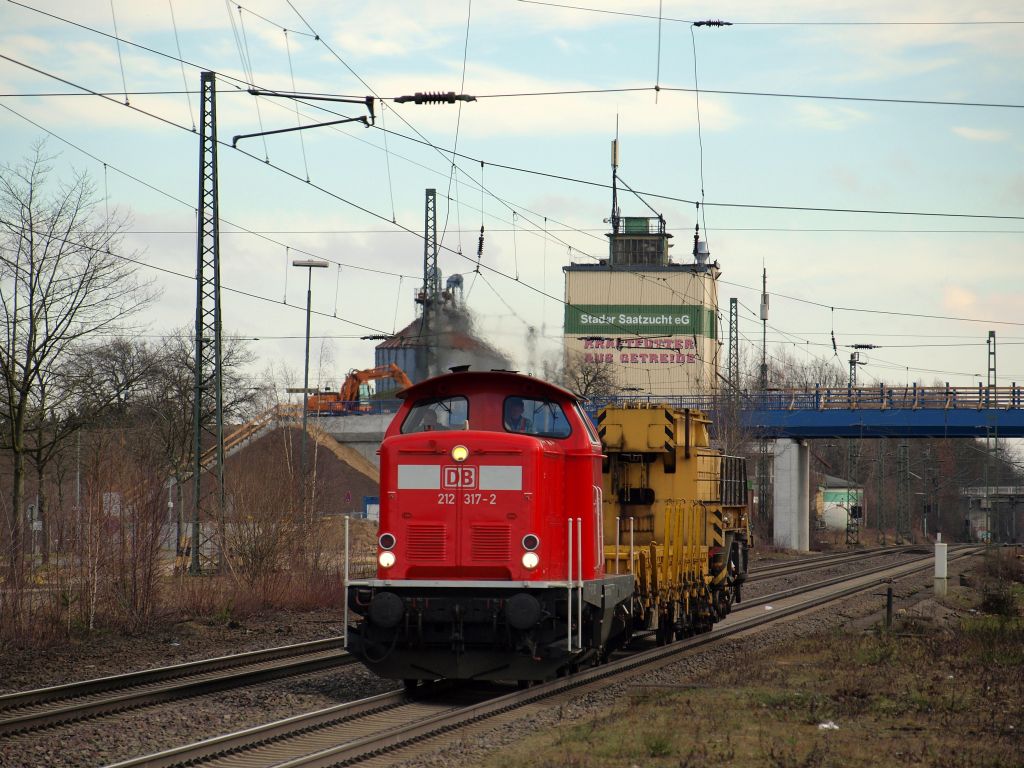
column 347, row 399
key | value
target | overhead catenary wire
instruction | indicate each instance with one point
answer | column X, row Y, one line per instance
column 165, row 121
column 272, row 23
column 688, row 201
column 776, row 23
column 805, row 208
column 181, row 63
column 452, row 176
column 387, row 164
column 513, row 228
column 242, row 44
column 579, row 230
column 266, row 162
column 563, row 92
column 866, row 310
column 228, row 288
column 456, row 154
column 120, row 57
column 298, row 117
column 241, row 228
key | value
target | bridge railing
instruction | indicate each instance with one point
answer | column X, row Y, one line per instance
column 881, row 397
column 884, row 397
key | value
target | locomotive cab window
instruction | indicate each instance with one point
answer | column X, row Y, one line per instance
column 437, row 415
column 535, row 416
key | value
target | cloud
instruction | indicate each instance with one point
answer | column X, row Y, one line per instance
column 980, row 134
column 959, row 300
column 829, row 118
column 18, row 46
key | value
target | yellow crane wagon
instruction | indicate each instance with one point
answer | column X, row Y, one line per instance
column 675, row 516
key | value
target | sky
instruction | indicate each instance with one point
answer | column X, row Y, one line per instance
column 920, row 253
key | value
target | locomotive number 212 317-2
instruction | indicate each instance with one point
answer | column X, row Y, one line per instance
column 448, row 497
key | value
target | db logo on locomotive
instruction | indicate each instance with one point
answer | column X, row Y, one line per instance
column 458, row 477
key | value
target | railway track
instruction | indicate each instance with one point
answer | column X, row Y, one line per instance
column 362, row 730
column 47, row 707
column 822, row 561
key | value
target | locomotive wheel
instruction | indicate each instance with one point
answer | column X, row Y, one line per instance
column 412, row 687
column 681, row 633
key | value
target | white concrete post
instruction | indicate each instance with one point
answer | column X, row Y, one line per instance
column 791, row 496
column 941, row 569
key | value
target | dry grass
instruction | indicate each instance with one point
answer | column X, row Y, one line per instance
column 924, row 694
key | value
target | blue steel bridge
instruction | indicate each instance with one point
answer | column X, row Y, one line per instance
column 865, row 412
column 819, row 412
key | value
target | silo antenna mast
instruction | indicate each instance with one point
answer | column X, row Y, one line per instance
column 615, row 179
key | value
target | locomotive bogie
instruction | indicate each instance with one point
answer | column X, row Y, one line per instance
column 495, row 631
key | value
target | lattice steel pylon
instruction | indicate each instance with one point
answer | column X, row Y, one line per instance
column 733, row 370
column 431, row 277
column 902, row 493
column 207, row 410
column 431, row 292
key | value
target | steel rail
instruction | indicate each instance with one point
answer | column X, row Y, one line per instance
column 794, row 591
column 46, row 707
column 814, row 563
column 773, row 565
column 346, row 749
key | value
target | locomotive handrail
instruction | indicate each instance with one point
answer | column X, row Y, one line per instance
column 568, row 587
column 579, row 592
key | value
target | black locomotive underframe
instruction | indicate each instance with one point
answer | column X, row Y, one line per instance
column 458, row 632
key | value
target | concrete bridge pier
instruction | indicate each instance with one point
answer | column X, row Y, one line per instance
column 363, row 431
column 791, row 499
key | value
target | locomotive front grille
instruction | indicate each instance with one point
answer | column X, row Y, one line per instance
column 490, row 543
column 427, row 542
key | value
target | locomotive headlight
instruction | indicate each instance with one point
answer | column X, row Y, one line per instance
column 530, row 542
column 386, row 559
column 460, row 453
column 386, row 541
column 531, row 560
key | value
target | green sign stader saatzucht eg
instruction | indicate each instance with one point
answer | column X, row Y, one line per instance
column 641, row 319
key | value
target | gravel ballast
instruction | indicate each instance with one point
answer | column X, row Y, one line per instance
column 118, row 737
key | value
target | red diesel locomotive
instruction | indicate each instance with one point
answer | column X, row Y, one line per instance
column 490, row 553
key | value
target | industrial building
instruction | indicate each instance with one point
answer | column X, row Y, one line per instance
column 651, row 321
column 442, row 335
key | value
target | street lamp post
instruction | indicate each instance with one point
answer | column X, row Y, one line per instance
column 310, row 265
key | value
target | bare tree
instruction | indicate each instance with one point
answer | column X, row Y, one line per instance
column 787, row 370
column 584, row 377
column 61, row 282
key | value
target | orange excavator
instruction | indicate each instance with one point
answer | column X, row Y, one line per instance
column 346, row 399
